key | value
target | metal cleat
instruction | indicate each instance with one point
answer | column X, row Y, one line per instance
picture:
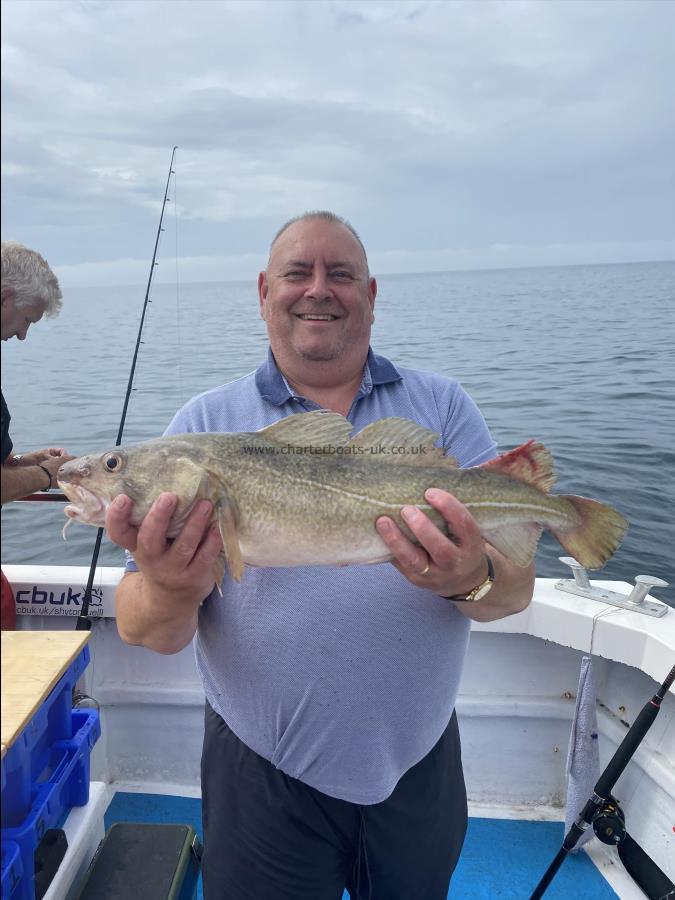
column 636, row 601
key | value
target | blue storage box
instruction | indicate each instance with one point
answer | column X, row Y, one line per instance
column 29, row 761
column 67, row 784
column 12, row 870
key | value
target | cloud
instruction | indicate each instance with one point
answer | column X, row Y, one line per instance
column 432, row 126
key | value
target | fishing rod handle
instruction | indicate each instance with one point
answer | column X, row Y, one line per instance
column 549, row 875
column 627, row 748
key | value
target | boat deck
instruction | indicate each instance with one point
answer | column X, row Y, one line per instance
column 501, row 857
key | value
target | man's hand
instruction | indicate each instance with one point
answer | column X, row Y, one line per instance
column 158, row 606
column 183, row 566
column 28, row 474
column 447, row 566
column 51, row 454
column 454, row 566
column 50, row 458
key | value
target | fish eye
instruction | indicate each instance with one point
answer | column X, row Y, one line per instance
column 113, row 462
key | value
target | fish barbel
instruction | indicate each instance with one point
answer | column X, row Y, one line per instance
column 303, row 492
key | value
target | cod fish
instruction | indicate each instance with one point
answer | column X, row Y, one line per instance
column 303, row 492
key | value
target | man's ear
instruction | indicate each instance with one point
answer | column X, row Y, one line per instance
column 262, row 292
column 372, row 294
column 7, row 294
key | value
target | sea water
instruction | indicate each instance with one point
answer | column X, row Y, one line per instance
column 581, row 358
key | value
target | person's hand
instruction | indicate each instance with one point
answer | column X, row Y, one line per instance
column 48, row 452
column 50, row 459
column 40, row 456
column 447, row 566
column 182, row 566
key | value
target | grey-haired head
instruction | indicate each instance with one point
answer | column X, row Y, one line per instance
column 28, row 277
column 326, row 216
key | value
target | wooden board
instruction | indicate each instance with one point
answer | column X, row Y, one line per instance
column 32, row 663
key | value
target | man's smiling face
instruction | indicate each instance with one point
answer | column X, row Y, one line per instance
column 316, row 295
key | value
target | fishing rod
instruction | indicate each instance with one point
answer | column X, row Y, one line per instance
column 602, row 811
column 83, row 621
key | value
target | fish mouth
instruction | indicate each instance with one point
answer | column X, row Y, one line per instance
column 86, row 506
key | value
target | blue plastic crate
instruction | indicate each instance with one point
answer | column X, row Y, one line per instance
column 67, row 786
column 12, row 870
column 29, row 762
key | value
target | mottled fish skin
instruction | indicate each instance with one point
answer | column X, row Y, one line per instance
column 302, row 492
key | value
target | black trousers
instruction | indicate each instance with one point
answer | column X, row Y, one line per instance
column 270, row 837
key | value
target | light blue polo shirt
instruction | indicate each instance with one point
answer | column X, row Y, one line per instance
column 342, row 677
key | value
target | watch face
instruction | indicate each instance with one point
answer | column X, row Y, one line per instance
column 482, row 590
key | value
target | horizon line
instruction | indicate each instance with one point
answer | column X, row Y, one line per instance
column 635, row 262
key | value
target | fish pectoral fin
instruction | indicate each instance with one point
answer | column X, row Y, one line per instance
column 530, row 463
column 403, row 442
column 219, row 567
column 517, row 542
column 227, row 515
column 319, row 428
column 197, row 484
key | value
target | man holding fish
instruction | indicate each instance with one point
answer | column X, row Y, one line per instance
column 331, row 754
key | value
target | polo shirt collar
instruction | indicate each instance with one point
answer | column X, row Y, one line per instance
column 274, row 388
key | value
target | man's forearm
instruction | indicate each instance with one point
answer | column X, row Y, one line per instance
column 150, row 617
column 19, row 481
column 511, row 592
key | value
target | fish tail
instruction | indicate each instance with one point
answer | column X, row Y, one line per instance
column 597, row 534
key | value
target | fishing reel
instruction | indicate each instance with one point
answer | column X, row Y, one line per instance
column 608, row 819
column 609, row 822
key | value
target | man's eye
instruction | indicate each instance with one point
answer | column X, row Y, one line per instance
column 295, row 274
column 342, row 276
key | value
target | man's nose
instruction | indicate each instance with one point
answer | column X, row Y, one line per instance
column 319, row 288
column 21, row 334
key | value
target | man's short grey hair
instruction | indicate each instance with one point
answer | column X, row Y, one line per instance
column 327, row 216
column 30, row 277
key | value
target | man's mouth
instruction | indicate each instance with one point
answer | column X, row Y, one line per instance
column 317, row 317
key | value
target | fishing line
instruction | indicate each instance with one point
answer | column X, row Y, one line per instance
column 83, row 621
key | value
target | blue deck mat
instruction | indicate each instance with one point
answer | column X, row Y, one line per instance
column 501, row 857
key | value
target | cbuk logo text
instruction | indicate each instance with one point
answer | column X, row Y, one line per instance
column 35, row 600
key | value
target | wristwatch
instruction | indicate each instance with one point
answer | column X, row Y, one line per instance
column 480, row 590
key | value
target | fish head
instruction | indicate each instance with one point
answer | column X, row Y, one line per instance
column 141, row 472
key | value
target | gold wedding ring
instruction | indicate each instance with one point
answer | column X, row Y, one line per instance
column 425, row 569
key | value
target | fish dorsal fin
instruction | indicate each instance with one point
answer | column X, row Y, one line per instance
column 403, row 442
column 319, row 428
column 531, row 463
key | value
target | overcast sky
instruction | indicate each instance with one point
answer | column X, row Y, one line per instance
column 451, row 134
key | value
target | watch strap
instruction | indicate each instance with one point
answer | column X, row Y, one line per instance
column 487, row 582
